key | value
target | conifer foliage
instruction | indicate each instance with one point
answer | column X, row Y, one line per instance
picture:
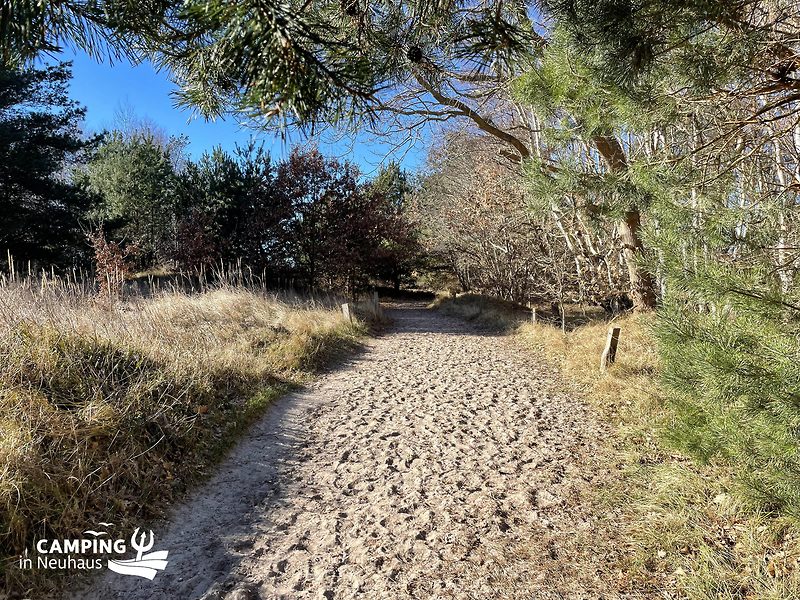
column 713, row 126
column 40, row 138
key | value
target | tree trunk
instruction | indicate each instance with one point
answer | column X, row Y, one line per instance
column 642, row 286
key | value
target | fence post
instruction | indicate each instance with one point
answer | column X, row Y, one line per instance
column 610, row 351
column 346, row 312
column 533, row 314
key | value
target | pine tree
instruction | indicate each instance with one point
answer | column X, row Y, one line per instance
column 720, row 175
column 729, row 333
column 134, row 178
column 40, row 142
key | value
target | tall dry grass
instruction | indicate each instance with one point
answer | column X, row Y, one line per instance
column 684, row 532
column 109, row 411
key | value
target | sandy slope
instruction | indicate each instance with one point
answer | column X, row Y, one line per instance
column 439, row 463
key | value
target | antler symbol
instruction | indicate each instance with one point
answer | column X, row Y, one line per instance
column 141, row 547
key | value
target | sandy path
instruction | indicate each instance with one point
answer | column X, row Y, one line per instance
column 439, row 463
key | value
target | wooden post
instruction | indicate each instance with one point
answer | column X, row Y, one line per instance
column 346, row 312
column 533, row 314
column 376, row 305
column 610, row 351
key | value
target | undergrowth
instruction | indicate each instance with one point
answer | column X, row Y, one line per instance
column 110, row 412
column 688, row 529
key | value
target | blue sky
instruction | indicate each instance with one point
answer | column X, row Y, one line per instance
column 108, row 90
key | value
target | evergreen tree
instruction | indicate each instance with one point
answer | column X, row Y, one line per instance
column 135, row 180
column 720, row 176
column 233, row 203
column 729, row 333
column 40, row 142
column 699, row 42
column 583, row 166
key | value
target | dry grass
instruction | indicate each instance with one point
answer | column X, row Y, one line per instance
column 680, row 528
column 108, row 413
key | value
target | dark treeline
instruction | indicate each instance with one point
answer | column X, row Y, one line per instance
column 308, row 220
